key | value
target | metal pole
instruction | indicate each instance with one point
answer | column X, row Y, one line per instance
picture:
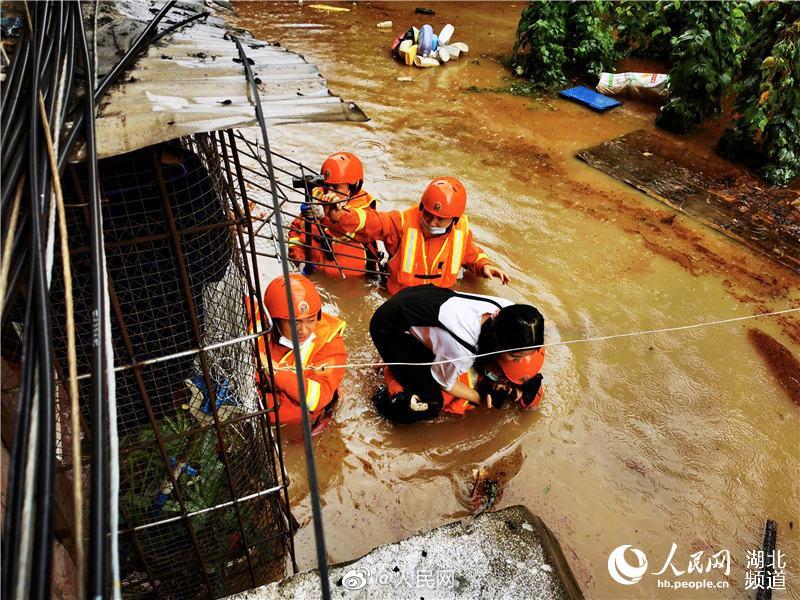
column 316, row 509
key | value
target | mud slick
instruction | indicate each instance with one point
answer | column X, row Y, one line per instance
column 781, row 362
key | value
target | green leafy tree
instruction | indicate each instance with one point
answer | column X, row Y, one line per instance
column 645, row 28
column 590, row 43
column 768, row 96
column 556, row 39
column 705, row 57
column 539, row 49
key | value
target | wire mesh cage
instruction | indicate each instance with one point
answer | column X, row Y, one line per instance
column 203, row 504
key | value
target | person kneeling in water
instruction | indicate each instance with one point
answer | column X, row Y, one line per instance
column 320, row 337
column 428, row 324
column 502, row 380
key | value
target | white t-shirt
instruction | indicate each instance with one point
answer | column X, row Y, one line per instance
column 462, row 316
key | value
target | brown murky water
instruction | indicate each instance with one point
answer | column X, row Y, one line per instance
column 683, row 437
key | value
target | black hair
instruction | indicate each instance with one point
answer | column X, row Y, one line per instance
column 514, row 326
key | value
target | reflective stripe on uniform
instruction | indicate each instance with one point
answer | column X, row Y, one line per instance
column 313, row 394
column 409, row 250
column 362, row 218
column 457, row 252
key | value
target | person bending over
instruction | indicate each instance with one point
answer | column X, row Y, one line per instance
column 428, row 324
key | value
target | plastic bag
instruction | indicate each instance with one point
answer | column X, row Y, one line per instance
column 650, row 87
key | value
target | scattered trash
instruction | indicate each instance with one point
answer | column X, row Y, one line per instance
column 484, row 492
column 405, row 79
column 647, row 154
column 527, row 527
column 546, row 567
column 651, row 87
column 425, row 40
column 423, row 48
column 411, row 54
column 445, row 34
column 385, row 25
column 590, row 98
column 425, row 61
column 424, row 11
column 329, row 8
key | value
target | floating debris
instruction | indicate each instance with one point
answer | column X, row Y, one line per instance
column 329, row 8
column 485, row 491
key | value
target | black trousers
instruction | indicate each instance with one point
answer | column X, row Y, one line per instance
column 389, row 331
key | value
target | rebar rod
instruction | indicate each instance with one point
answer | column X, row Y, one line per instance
column 316, row 509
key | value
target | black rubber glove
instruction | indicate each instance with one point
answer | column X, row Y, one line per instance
column 484, row 388
column 530, row 388
column 502, row 392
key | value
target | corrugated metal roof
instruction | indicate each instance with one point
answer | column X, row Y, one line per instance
column 190, row 83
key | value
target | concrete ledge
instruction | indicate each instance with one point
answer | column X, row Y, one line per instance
column 506, row 554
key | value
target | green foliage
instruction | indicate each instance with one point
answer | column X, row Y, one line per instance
column 558, row 38
column 744, row 51
column 768, row 96
column 590, row 45
column 539, row 50
column 645, row 28
column 705, row 57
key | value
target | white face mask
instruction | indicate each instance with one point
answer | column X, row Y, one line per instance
column 287, row 343
column 434, row 230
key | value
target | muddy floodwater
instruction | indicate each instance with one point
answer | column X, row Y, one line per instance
column 683, row 437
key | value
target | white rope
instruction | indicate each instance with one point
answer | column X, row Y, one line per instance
column 554, row 344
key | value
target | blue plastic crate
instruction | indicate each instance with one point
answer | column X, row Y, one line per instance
column 590, row 98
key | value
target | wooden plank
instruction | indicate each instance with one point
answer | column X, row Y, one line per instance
column 718, row 194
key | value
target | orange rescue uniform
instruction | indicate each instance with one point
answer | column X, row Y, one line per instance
column 415, row 259
column 451, row 404
column 349, row 255
column 321, row 387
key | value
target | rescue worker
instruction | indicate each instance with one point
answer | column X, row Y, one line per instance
column 427, row 244
column 522, row 378
column 428, row 324
column 321, row 343
column 321, row 250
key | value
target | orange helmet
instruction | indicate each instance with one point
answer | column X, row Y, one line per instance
column 343, row 167
column 445, row 197
column 306, row 298
column 520, row 371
